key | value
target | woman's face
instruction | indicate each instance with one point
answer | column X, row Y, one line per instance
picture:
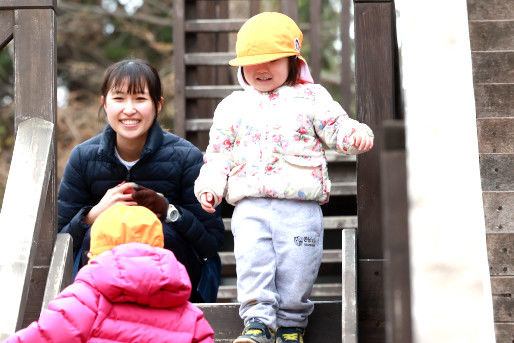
column 268, row 76
column 130, row 115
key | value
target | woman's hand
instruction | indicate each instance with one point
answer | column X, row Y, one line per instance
column 362, row 140
column 207, row 200
column 121, row 194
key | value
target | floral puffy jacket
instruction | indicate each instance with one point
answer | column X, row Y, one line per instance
column 270, row 144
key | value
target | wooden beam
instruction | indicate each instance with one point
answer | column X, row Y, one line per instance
column 60, row 273
column 215, row 91
column 375, row 89
column 35, row 87
column 21, row 4
column 375, row 102
column 22, row 211
column 209, row 58
column 214, row 25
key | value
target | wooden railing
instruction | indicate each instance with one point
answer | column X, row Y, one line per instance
column 22, row 217
column 29, row 213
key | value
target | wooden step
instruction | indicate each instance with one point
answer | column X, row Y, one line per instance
column 213, row 25
column 344, row 188
column 333, row 290
column 329, row 222
column 324, row 322
column 213, row 91
column 329, row 256
column 333, row 156
column 209, row 58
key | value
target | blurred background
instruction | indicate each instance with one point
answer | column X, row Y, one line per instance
column 92, row 34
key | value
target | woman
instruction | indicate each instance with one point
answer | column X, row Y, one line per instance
column 131, row 161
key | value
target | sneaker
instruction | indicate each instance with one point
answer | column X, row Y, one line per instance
column 256, row 332
column 290, row 335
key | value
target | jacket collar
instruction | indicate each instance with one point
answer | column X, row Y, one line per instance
column 152, row 144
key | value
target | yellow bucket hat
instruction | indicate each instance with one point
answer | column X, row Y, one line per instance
column 266, row 37
column 122, row 224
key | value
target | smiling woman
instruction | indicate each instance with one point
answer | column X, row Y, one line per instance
column 135, row 162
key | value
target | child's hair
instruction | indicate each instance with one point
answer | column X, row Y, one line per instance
column 293, row 74
column 121, row 224
column 137, row 74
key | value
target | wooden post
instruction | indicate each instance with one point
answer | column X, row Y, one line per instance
column 290, row 8
column 255, row 7
column 35, row 70
column 315, row 40
column 179, row 99
column 375, row 102
column 23, row 220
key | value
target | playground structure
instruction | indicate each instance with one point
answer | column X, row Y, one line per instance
column 378, row 303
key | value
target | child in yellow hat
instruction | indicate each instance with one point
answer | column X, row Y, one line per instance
column 266, row 157
column 132, row 290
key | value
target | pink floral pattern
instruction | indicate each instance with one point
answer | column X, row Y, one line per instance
column 277, row 139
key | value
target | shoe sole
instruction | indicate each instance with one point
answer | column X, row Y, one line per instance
column 244, row 340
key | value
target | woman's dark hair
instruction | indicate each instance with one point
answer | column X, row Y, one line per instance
column 293, row 74
column 136, row 74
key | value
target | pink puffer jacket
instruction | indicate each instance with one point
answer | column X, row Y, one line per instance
column 133, row 293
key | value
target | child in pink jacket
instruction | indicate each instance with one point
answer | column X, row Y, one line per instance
column 132, row 290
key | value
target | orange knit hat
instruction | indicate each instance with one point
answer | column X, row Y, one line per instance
column 122, row 224
column 266, row 37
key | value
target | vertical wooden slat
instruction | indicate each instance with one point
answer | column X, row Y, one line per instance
column 396, row 235
column 315, row 40
column 255, row 7
column 179, row 101
column 290, row 8
column 347, row 78
column 349, row 286
column 35, row 69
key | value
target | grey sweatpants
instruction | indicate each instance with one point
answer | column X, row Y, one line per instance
column 278, row 245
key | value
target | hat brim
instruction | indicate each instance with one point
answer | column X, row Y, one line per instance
column 258, row 59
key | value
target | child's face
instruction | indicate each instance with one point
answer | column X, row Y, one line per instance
column 268, row 76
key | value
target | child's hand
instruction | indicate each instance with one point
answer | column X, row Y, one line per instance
column 362, row 140
column 207, row 200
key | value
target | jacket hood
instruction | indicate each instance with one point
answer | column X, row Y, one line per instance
column 138, row 273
